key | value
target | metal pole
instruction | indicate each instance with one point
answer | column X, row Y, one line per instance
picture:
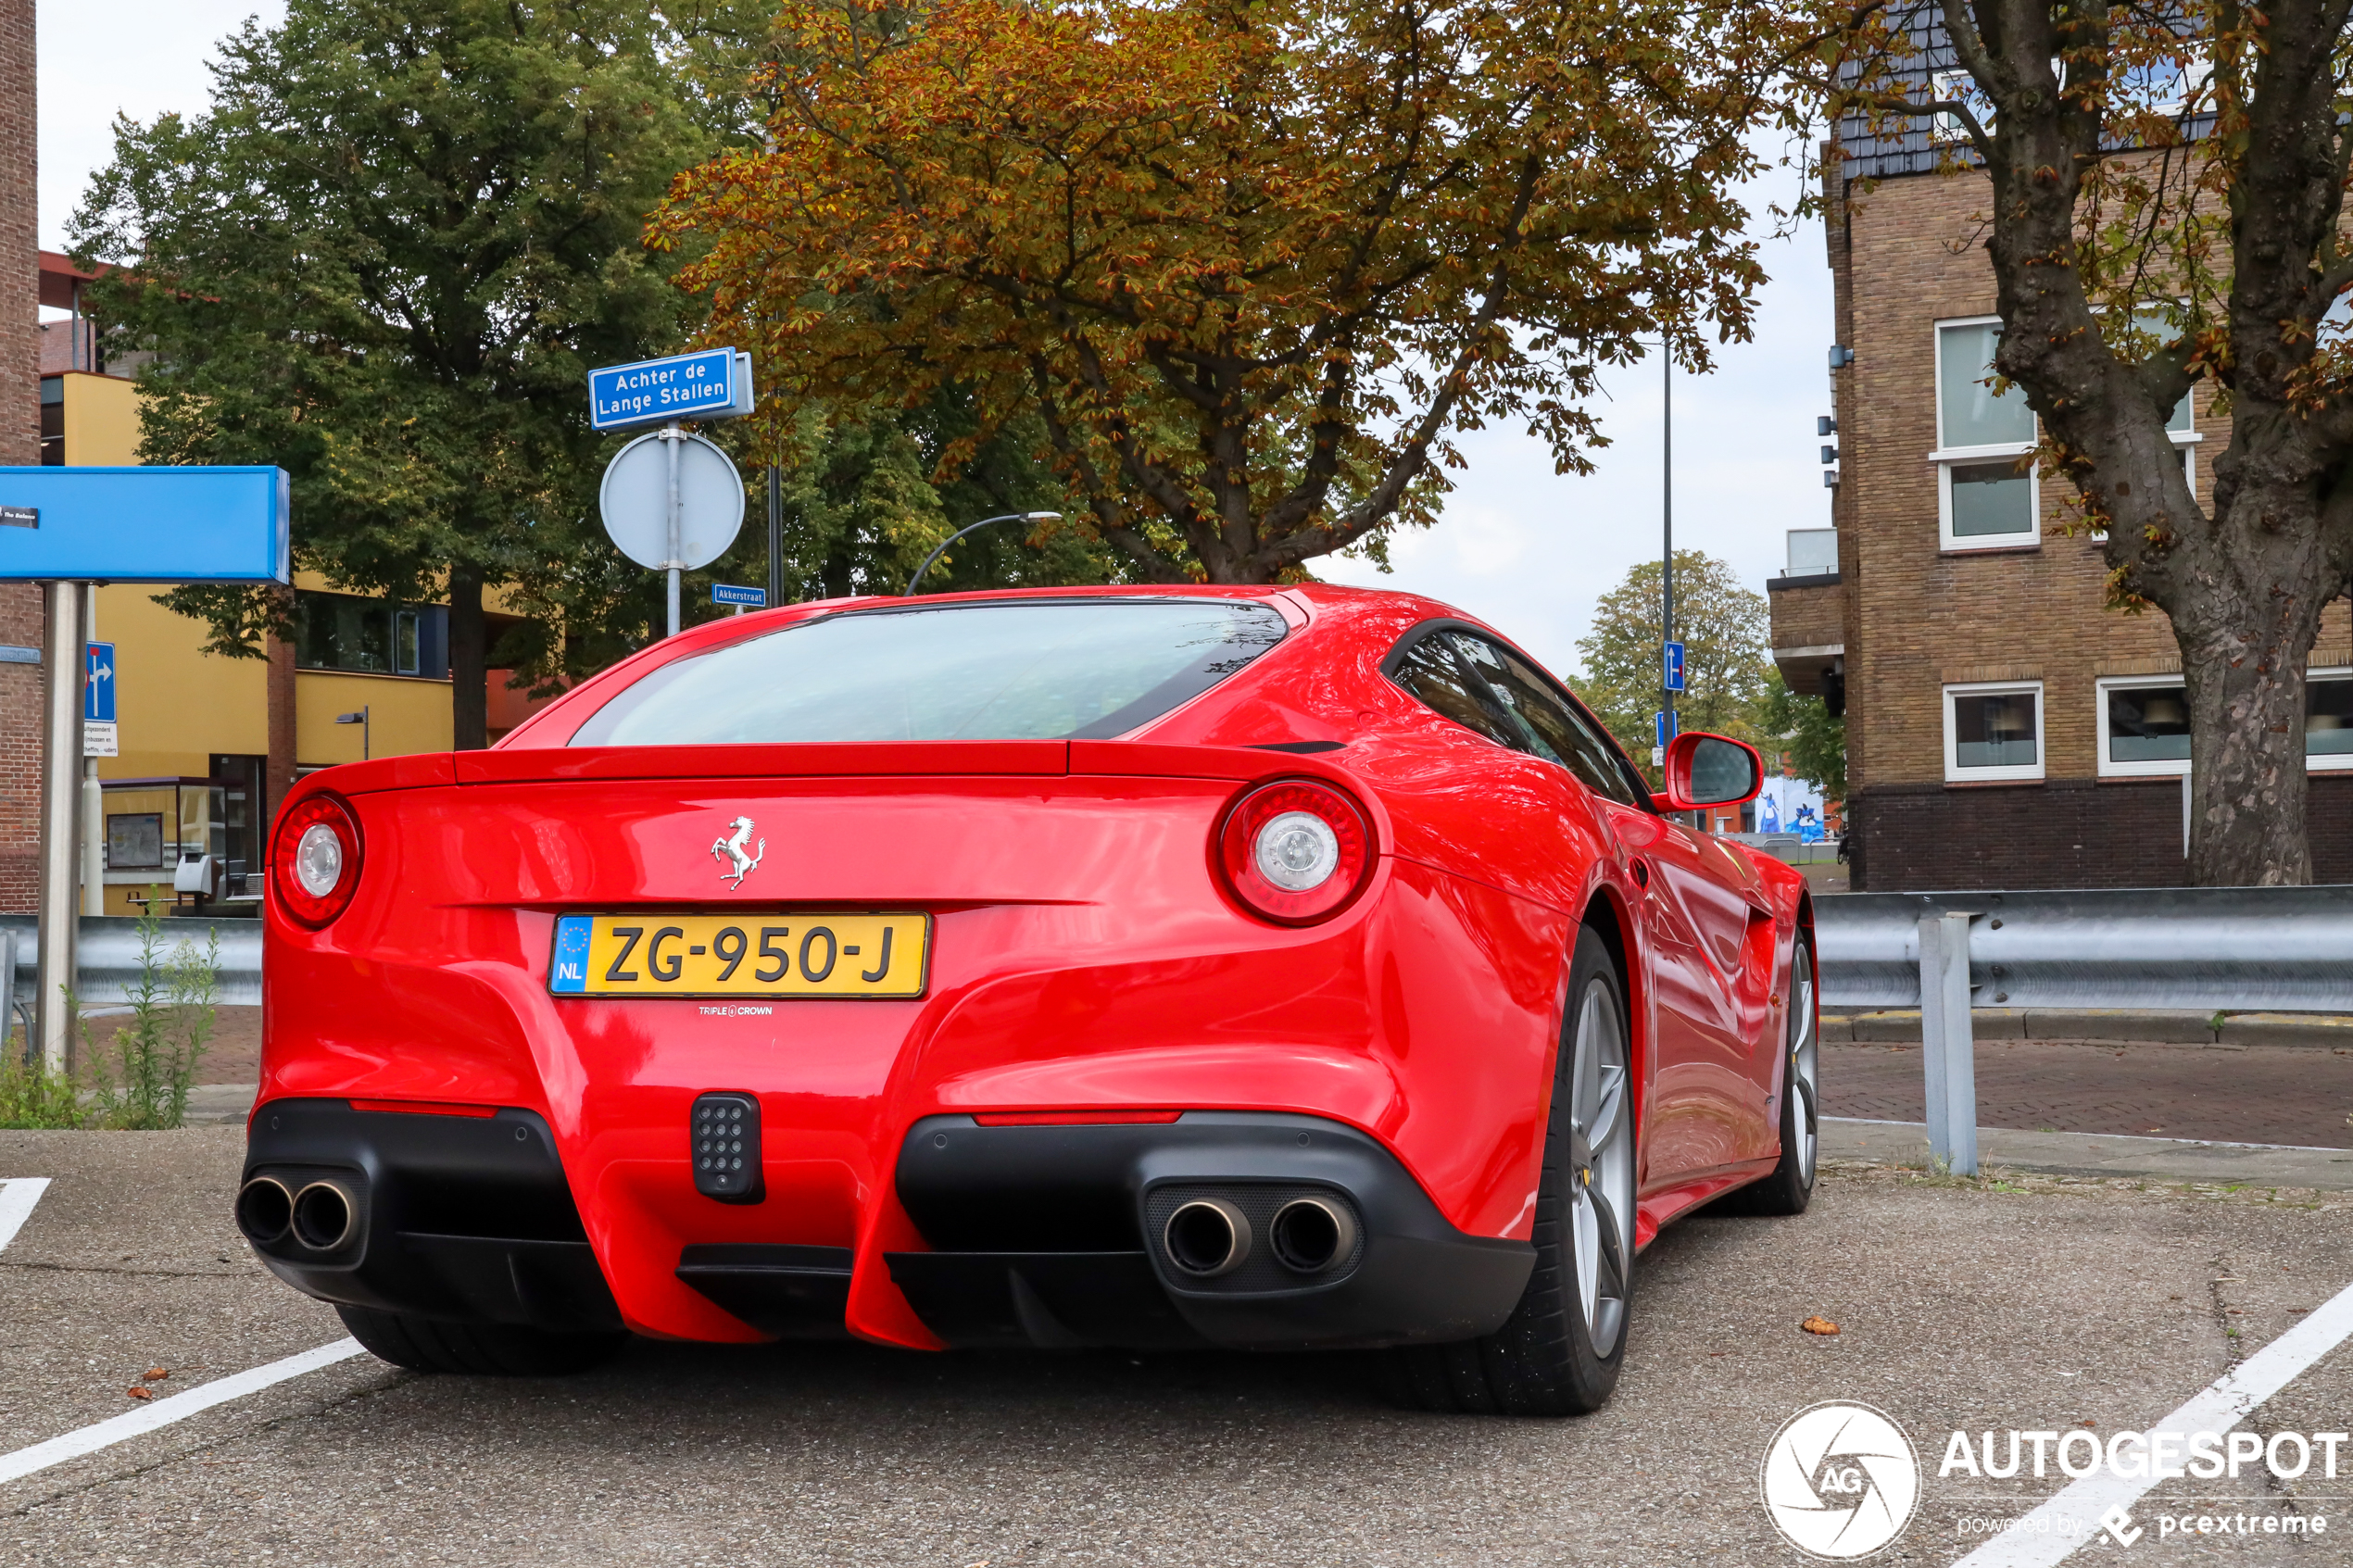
column 94, row 796
column 1948, row 1053
column 775, row 536
column 60, row 814
column 367, row 731
column 1667, row 525
column 672, row 434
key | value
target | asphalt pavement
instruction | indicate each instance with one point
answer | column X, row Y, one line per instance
column 2031, row 1302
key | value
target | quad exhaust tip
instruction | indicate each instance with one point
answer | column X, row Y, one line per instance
column 1309, row 1235
column 325, row 1216
column 265, row 1210
column 1207, row 1236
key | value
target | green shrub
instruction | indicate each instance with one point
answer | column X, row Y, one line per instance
column 30, row 1096
column 140, row 1082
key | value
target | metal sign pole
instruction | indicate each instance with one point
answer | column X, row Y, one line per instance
column 775, row 536
column 60, row 822
column 672, row 434
column 94, row 798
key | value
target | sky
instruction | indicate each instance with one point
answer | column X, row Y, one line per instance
column 1520, row 547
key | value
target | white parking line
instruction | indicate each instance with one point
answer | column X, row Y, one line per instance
column 178, row 1406
column 17, row 1195
column 2071, row 1519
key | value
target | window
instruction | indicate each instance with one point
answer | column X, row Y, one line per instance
column 1490, row 690
column 1430, row 668
column 1048, row 668
column 2328, row 719
column 2154, row 326
column 236, row 834
column 370, row 636
column 407, row 654
column 1950, row 86
column 1993, row 732
column 1987, row 494
column 2145, row 724
column 1551, row 728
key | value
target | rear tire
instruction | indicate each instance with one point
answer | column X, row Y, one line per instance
column 1560, row 1350
column 1791, row 1187
column 478, row 1350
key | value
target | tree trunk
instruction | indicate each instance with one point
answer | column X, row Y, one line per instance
column 468, row 663
column 2246, row 625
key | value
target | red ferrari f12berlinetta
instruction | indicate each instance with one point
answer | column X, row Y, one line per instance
column 1259, row 967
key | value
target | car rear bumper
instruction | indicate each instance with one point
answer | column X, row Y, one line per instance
column 461, row 1217
column 1049, row 1236
column 1057, row 1236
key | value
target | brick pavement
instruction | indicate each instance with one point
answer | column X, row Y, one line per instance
column 2251, row 1094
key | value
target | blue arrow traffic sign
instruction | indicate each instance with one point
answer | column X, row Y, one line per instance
column 727, row 594
column 98, row 685
column 684, row 386
column 1674, row 667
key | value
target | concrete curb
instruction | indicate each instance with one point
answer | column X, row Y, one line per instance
column 1902, row 1027
column 2097, row 1154
column 214, row 1104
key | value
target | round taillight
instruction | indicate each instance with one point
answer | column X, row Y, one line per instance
column 1295, row 852
column 314, row 859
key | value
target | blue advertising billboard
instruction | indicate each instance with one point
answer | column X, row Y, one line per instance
column 149, row 524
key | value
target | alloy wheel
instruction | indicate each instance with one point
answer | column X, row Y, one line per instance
column 1805, row 1062
column 1602, row 1166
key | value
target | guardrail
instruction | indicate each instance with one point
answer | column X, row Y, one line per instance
column 2210, row 950
column 107, row 958
column 2219, row 949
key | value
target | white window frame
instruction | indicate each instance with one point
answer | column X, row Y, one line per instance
column 2013, row 772
column 2328, row 762
column 2342, row 761
column 2146, row 770
column 1947, row 458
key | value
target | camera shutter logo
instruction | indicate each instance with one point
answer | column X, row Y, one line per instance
column 1840, row 1480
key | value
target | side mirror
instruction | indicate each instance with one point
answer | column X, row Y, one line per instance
column 1705, row 770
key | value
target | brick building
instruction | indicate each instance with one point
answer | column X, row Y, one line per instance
column 21, row 612
column 2003, row 728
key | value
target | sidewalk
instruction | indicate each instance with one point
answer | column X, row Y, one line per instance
column 2084, row 1154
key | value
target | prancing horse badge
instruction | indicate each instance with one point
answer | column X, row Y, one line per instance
column 735, row 863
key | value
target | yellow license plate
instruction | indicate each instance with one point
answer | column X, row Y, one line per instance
column 748, row 955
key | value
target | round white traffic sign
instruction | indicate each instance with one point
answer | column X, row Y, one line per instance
column 635, row 499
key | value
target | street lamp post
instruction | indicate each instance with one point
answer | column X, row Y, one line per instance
column 1667, row 530
column 366, row 736
column 1002, row 517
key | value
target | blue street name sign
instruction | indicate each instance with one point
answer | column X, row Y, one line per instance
column 1664, row 725
column 146, row 525
column 98, row 685
column 1674, row 667
column 726, row 593
column 682, row 387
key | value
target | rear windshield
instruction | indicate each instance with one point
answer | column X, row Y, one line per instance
column 985, row 670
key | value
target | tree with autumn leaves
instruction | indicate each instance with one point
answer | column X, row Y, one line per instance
column 1245, row 269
